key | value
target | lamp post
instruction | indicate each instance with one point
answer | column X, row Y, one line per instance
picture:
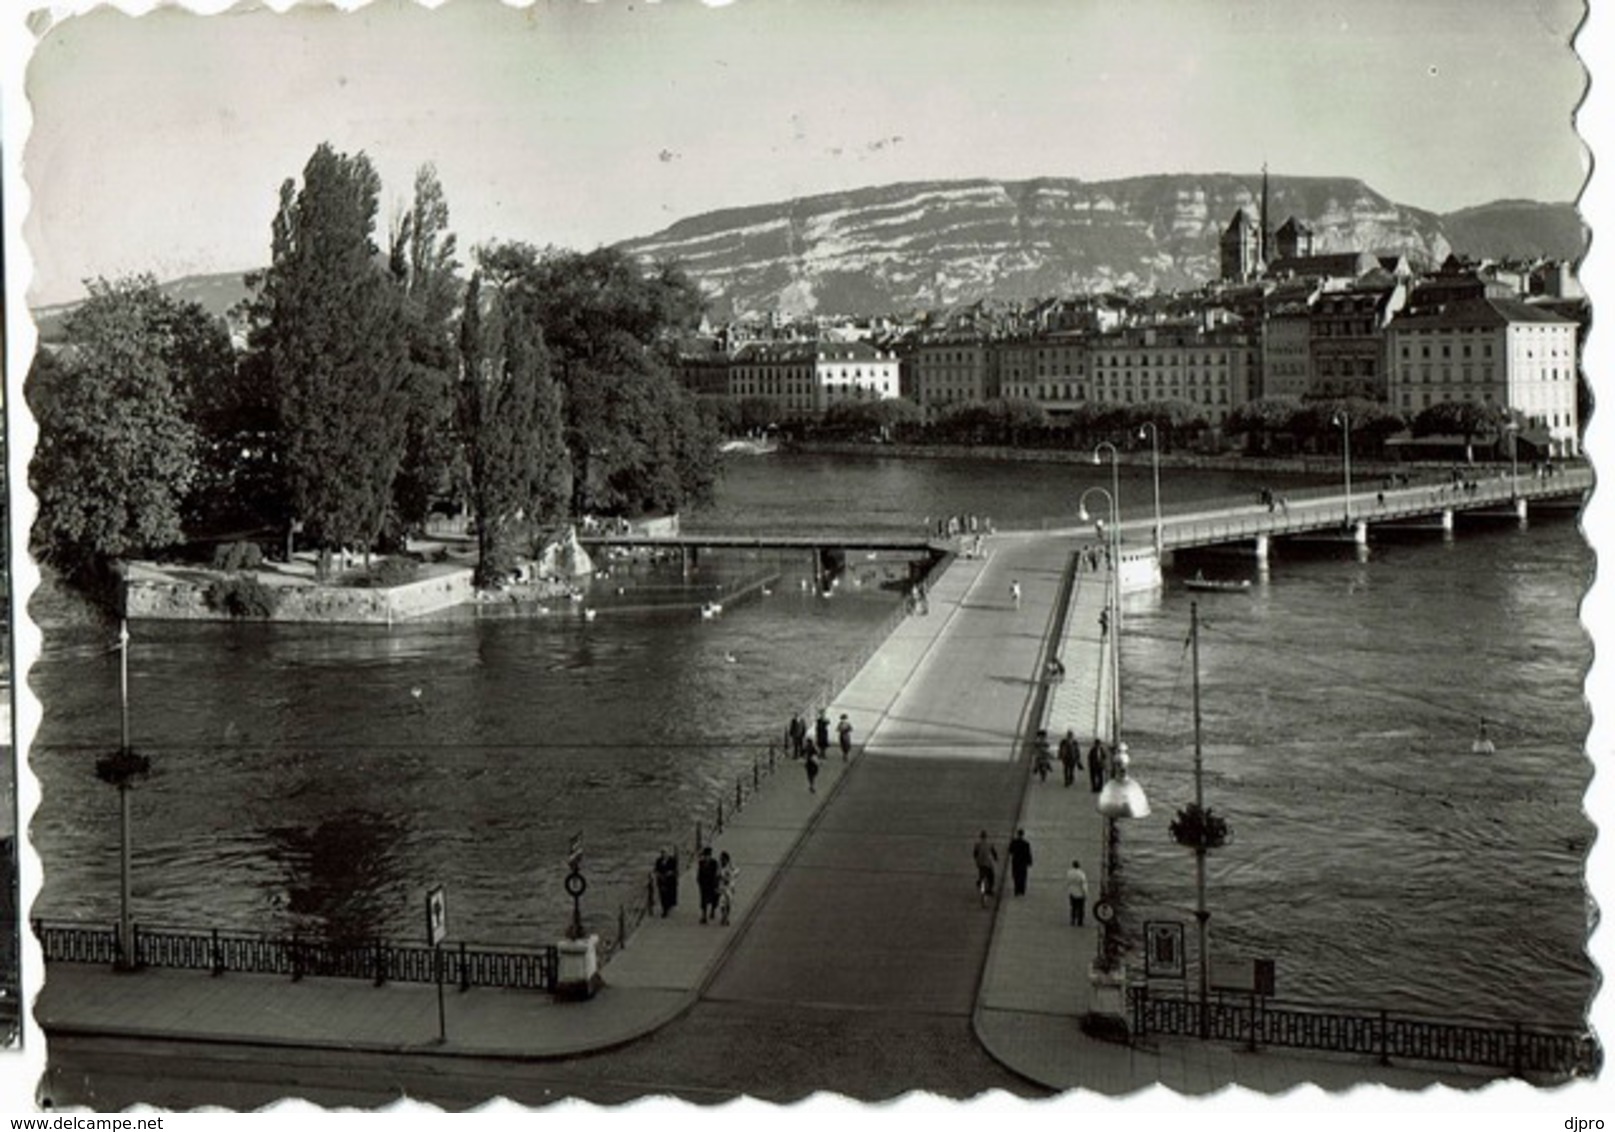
column 1343, row 419
column 1121, row 796
column 1155, row 468
column 1115, row 494
column 121, row 768
column 1513, row 430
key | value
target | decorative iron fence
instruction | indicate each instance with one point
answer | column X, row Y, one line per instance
column 1258, row 1022
column 466, row 965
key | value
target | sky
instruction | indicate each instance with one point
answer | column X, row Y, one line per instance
column 159, row 142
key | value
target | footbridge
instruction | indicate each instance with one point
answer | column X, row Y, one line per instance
column 1347, row 515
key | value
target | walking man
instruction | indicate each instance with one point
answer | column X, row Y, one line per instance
column 812, row 768
column 1070, row 756
column 1076, row 890
column 798, row 733
column 706, row 881
column 844, row 733
column 1015, row 592
column 1096, row 766
column 667, row 880
column 821, row 731
column 1020, row 860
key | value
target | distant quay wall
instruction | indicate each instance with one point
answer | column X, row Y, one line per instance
column 1322, row 466
column 152, row 595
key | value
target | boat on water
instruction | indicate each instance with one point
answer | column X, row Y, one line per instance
column 1217, row 585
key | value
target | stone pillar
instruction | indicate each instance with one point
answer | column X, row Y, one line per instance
column 1521, row 509
column 1359, row 532
column 1261, row 548
column 577, row 968
column 1446, row 520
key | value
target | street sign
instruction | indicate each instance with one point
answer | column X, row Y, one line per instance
column 1244, row 976
column 437, row 917
column 1163, row 949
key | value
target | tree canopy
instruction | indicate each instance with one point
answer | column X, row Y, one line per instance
column 637, row 442
column 118, row 453
column 331, row 332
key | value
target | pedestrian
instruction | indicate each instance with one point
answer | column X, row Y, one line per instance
column 706, row 882
column 812, row 756
column 667, row 880
column 1076, row 890
column 1070, row 756
column 821, row 731
column 844, row 733
column 798, row 732
column 727, row 872
column 1015, row 592
column 1041, row 763
column 925, row 601
column 1104, row 622
column 1020, row 860
column 986, row 857
column 1096, row 766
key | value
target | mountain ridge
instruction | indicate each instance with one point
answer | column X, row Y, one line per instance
column 915, row 244
column 936, row 242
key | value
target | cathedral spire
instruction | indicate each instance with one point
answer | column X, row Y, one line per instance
column 1262, row 251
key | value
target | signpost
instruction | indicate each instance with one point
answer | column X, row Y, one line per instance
column 437, row 930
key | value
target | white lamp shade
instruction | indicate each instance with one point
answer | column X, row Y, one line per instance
column 1123, row 798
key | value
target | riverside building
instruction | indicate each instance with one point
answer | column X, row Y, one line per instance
column 1490, row 351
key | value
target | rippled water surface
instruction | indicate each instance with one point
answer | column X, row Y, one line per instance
column 301, row 783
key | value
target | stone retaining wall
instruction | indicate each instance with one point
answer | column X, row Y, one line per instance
column 170, row 600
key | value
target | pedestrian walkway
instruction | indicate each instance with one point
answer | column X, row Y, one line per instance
column 874, row 867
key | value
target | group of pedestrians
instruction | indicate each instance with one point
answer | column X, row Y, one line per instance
column 1070, row 756
column 985, row 855
column 714, row 883
column 814, row 749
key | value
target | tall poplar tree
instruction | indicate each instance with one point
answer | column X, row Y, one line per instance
column 422, row 259
column 509, row 424
column 332, row 339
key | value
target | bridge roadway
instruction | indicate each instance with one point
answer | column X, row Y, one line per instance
column 860, row 960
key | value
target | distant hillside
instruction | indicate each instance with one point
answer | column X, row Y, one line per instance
column 216, row 294
column 938, row 243
column 1508, row 229
column 929, row 244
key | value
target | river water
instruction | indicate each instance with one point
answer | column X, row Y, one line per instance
column 321, row 779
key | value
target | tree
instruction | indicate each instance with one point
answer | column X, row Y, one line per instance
column 422, row 262
column 1260, row 420
column 1467, row 419
column 636, row 441
column 509, row 420
column 117, row 452
column 332, row 337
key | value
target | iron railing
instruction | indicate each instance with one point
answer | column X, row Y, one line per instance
column 465, row 964
column 1257, row 1022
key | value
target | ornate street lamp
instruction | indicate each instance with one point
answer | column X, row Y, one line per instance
column 1155, row 467
column 1513, row 430
column 123, row 768
column 1197, row 827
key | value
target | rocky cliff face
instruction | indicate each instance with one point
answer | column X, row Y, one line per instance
column 939, row 243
